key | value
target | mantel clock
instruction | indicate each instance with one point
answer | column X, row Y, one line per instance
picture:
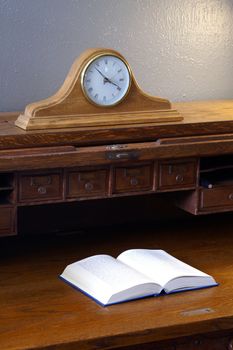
column 100, row 90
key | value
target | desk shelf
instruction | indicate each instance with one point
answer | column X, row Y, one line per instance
column 7, row 186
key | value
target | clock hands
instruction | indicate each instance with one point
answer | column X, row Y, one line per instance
column 118, row 87
column 107, row 80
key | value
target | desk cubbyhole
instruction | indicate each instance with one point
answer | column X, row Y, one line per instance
column 216, row 184
column 213, row 163
column 214, row 193
column 6, row 188
column 215, row 178
column 216, row 171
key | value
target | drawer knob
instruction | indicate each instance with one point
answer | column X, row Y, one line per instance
column 133, row 181
column 230, row 345
column 179, row 178
column 42, row 190
column 230, row 196
column 89, row 186
column 197, row 342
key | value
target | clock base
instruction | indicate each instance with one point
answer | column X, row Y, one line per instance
column 98, row 120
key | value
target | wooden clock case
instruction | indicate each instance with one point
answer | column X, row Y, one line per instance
column 70, row 108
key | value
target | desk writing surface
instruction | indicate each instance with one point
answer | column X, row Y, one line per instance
column 38, row 310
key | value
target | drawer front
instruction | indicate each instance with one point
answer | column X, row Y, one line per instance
column 216, row 197
column 87, row 183
column 40, row 187
column 7, row 220
column 177, row 174
column 133, row 179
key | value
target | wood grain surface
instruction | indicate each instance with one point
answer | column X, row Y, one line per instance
column 200, row 118
column 39, row 311
column 100, row 155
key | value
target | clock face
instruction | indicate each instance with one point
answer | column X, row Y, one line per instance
column 106, row 80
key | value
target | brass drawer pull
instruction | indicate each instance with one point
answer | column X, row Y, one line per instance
column 179, row 178
column 197, row 342
column 89, row 186
column 133, row 181
column 42, row 190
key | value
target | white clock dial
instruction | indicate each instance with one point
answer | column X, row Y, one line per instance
column 106, row 80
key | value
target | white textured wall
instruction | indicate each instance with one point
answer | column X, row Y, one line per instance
column 179, row 49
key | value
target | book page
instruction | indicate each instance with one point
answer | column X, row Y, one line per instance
column 113, row 272
column 102, row 276
column 158, row 265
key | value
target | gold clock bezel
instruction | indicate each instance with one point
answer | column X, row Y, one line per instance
column 85, row 69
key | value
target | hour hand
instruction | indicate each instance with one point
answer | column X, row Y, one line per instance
column 111, row 82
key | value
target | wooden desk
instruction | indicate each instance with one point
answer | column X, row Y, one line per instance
column 39, row 311
column 66, row 166
column 63, row 166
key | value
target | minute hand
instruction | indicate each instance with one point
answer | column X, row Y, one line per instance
column 101, row 74
column 106, row 79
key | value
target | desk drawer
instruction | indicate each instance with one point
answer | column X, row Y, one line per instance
column 133, row 178
column 177, row 174
column 40, row 187
column 218, row 197
column 87, row 183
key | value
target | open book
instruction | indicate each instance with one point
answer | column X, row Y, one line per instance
column 135, row 273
